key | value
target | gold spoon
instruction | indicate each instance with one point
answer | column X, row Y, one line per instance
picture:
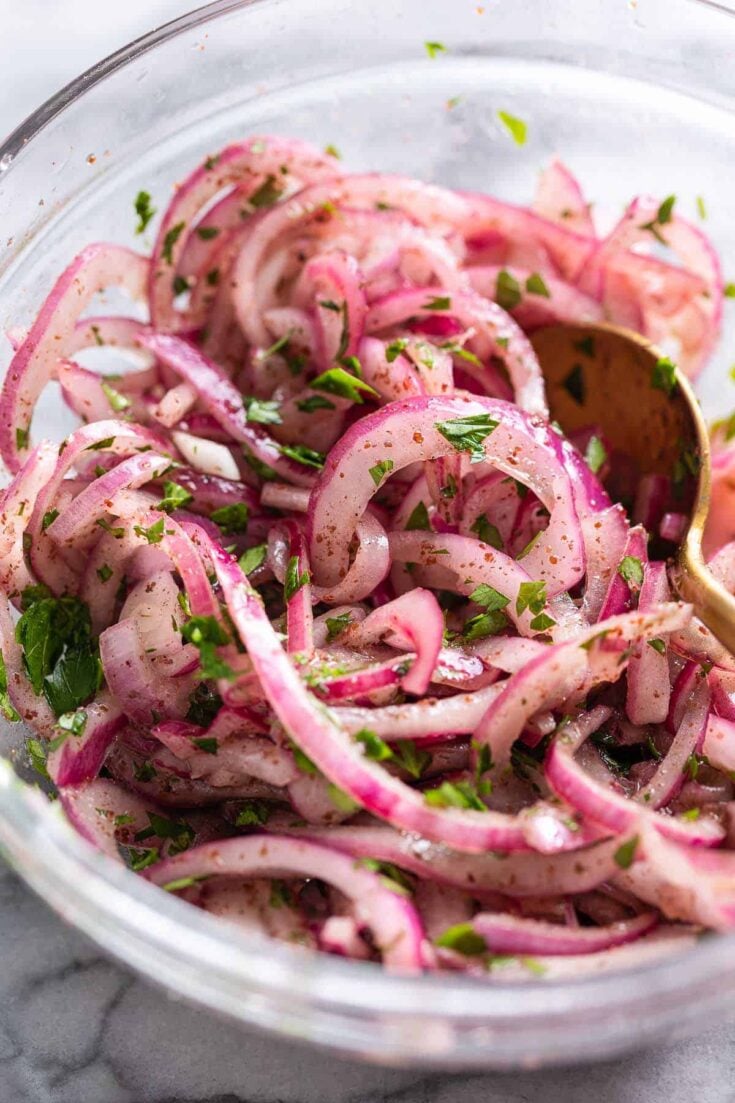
column 601, row 375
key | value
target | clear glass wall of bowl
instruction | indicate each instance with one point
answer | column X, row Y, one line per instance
column 636, row 97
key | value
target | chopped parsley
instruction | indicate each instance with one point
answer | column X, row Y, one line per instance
column 206, row 233
column 262, row 411
column 174, row 497
column 536, row 286
column 395, row 348
column 206, row 743
column 507, row 290
column 293, row 580
column 253, row 558
column 253, row 813
column 442, row 302
column 658, row 645
column 303, row 455
column 434, row 48
column 663, row 376
column 59, row 653
column 516, row 127
column 455, row 794
column 21, row 439
column 595, row 454
column 463, row 939
column 153, row 534
column 631, row 571
column 118, row 402
column 625, row 853
column 49, row 518
column 419, row 519
column 466, row 434
column 532, row 596
column 144, row 211
column 663, row 215
column 336, row 625
column 207, row 634
column 489, row 597
column 100, row 445
column 179, row 285
column 314, row 402
column 6, row 705
column 231, row 519
column 375, row 748
column 339, row 382
column 487, row 532
column 379, row 470
column 333, row 151
column 701, row 208
column 172, row 236
column 413, row 760
column 267, row 194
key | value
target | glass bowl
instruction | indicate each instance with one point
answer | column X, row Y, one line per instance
column 636, row 97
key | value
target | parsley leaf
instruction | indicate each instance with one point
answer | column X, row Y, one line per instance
column 253, row 558
column 625, row 853
column 267, row 194
column 174, row 497
column 336, row 625
column 531, row 595
column 663, row 215
column 455, row 794
column 153, row 534
column 434, row 48
column 170, row 240
column 507, row 290
column 663, row 376
column 231, row 519
column 484, row 624
column 442, row 302
column 516, row 127
column 253, row 813
column 293, row 580
column 467, row 434
column 375, row 748
column 6, row 705
column 207, row 233
column 144, row 210
column 463, row 939
column 339, row 382
column 487, row 532
column 381, row 468
column 208, row 744
column 118, row 402
column 488, row 596
column 535, row 285
column 301, row 454
column 262, row 411
column 413, row 760
column 595, row 454
column 630, row 570
column 658, row 645
column 59, row 654
column 314, row 402
column 395, row 348
column 419, row 519
column 207, row 634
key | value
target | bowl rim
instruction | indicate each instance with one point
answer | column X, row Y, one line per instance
column 348, row 987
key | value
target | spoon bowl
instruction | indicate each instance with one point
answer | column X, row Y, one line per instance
column 615, row 382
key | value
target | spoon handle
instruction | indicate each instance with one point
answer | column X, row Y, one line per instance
column 714, row 606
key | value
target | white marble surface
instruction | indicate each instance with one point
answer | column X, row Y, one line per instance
column 75, row 1028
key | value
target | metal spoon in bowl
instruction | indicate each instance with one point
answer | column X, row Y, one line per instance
column 603, row 376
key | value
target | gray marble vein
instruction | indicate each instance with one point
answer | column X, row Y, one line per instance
column 76, row 1028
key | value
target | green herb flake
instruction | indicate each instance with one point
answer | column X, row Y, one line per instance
column 433, row 49
column 262, row 411
column 59, row 654
column 466, row 434
column 463, row 939
column 535, row 285
column 144, row 211
column 184, row 882
column 313, row 403
column 542, row 623
column 118, row 401
column 663, row 216
column 663, row 376
column 574, row 384
column 419, row 519
column 207, row 634
column 507, row 290
column 179, row 285
column 174, row 497
column 625, row 853
column 658, row 645
column 21, row 439
column 231, row 519
column 484, row 625
column 303, row 455
column 487, row 532
column 690, row 815
column 206, row 743
column 253, row 813
column 375, row 748
column 294, row 581
column 441, row 302
column 141, row 858
column 100, row 445
column 631, row 571
column 379, row 470
column 253, row 558
column 207, row 233
column 413, row 760
column 531, row 596
column 595, row 454
column 339, row 382
column 395, row 348
column 49, row 518
column 6, row 705
column 516, row 127
column 489, row 597
column 212, row 277
column 153, row 534
column 336, row 625
column 170, row 239
column 332, row 151
column 729, row 290
column 455, row 794
column 74, row 722
column 701, row 208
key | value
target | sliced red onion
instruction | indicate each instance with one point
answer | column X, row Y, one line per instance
column 510, row 934
column 391, row 918
column 649, row 688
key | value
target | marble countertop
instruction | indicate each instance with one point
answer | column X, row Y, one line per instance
column 76, row 1028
